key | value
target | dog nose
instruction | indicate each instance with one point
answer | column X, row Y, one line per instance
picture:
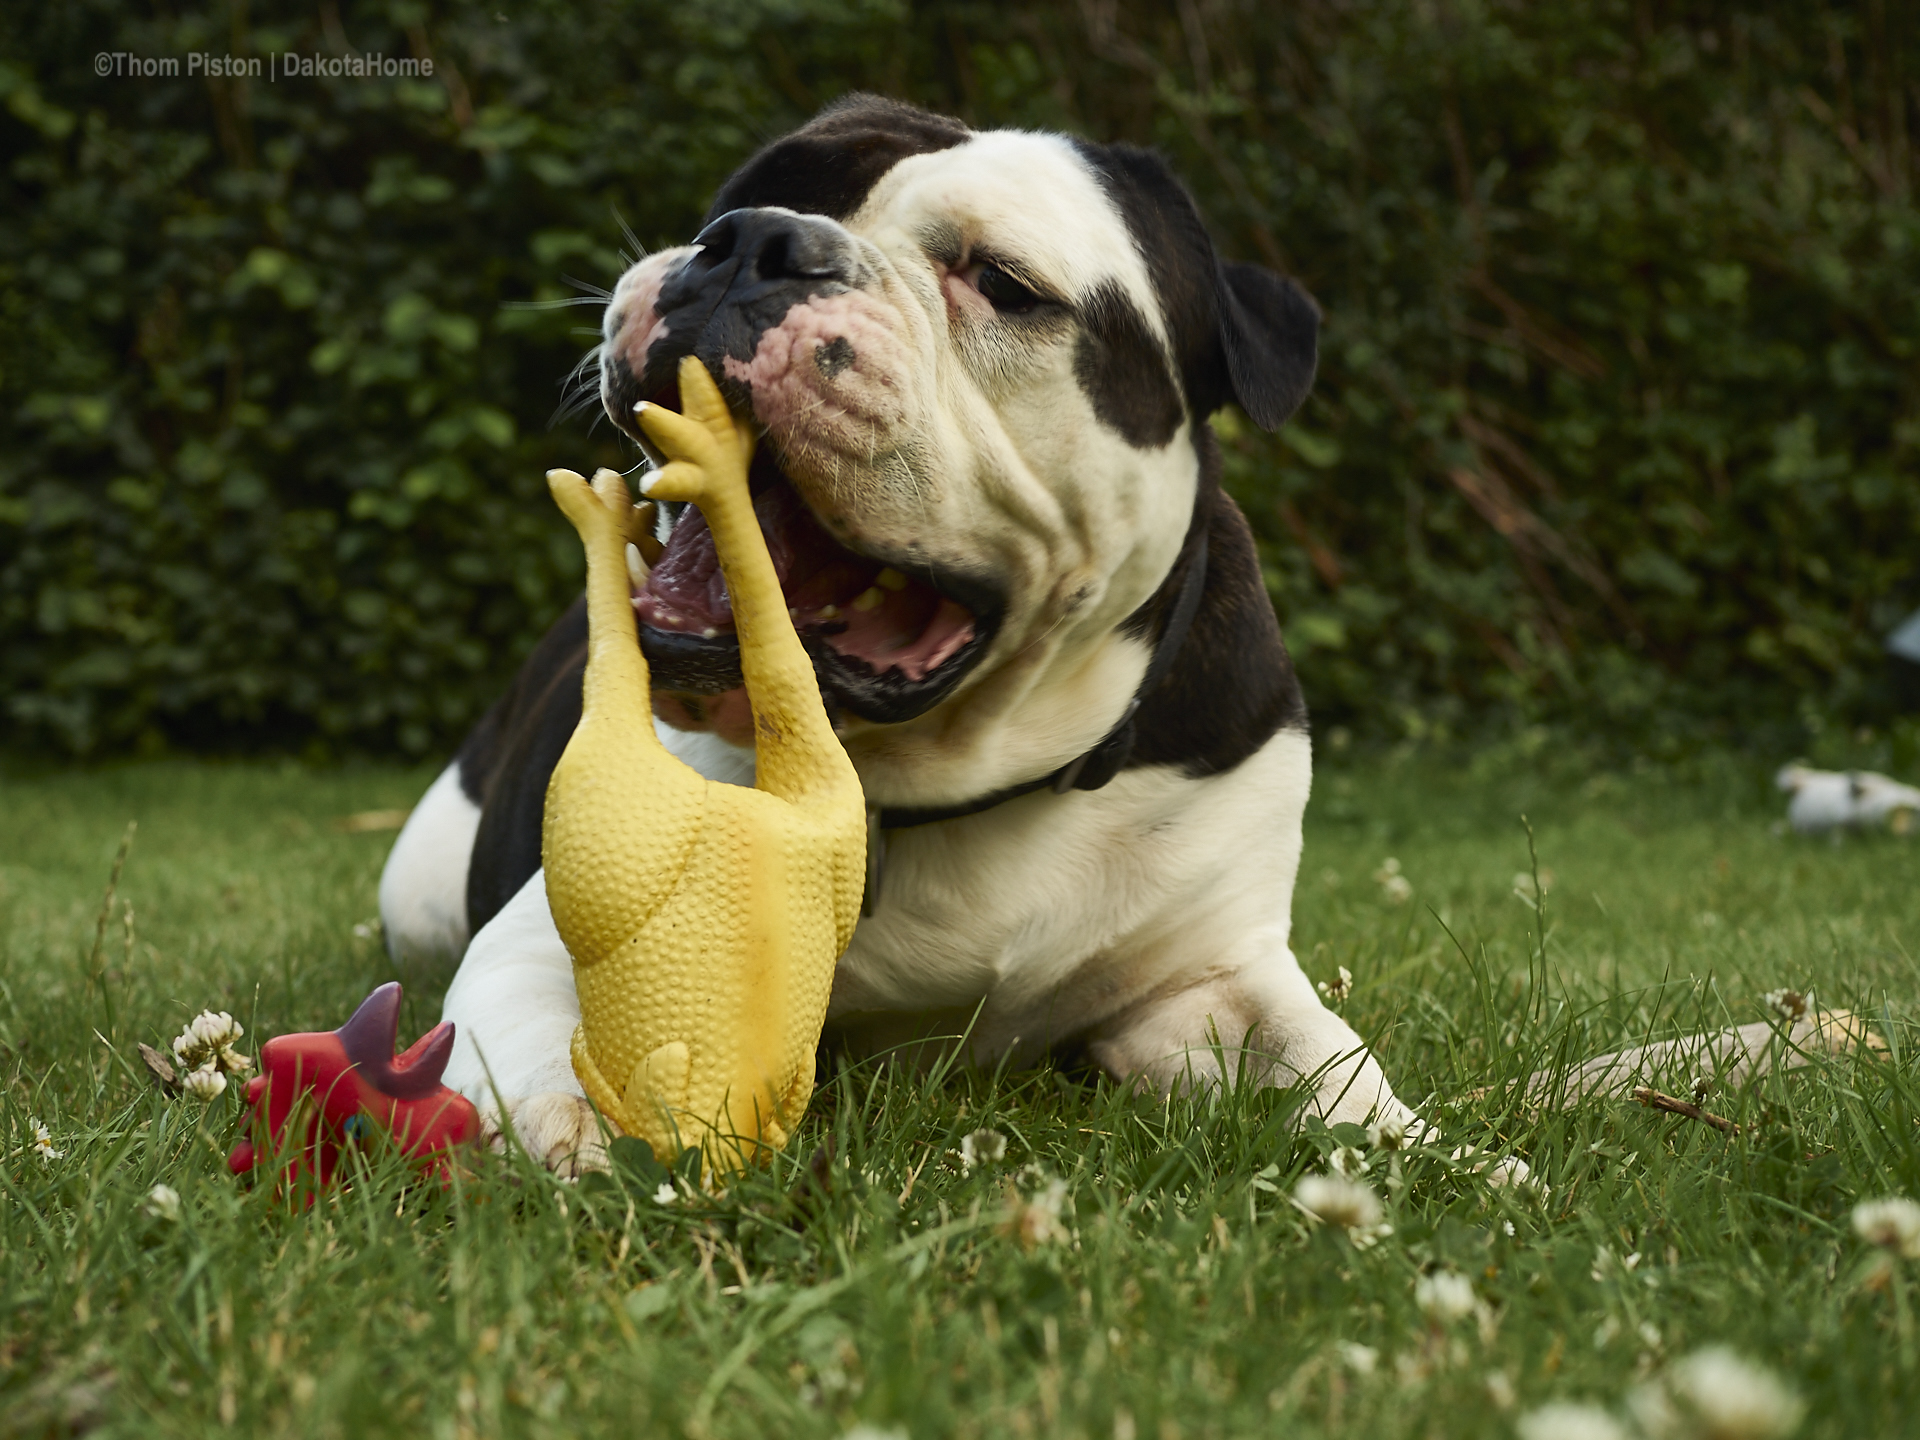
column 773, row 245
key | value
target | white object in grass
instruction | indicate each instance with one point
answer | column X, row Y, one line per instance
column 206, row 1084
column 1393, row 885
column 1822, row 800
column 1445, row 1296
column 1563, row 1421
column 43, row 1142
column 208, row 1041
column 982, row 1147
column 162, row 1202
column 1339, row 988
column 1893, row 1224
column 1334, row 1200
column 1036, row 1219
column 1714, row 1394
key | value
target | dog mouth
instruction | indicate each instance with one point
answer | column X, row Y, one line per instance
column 889, row 637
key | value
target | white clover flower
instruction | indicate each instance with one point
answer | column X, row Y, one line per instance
column 1347, row 1162
column 1500, row 1389
column 162, row 1202
column 1562, row 1421
column 1728, row 1398
column 1393, row 885
column 874, row 1432
column 1361, row 1359
column 208, row 1042
column 1789, row 1005
column 1336, row 1200
column 1339, row 988
column 1036, row 1219
column 43, row 1141
column 1445, row 1296
column 666, row 1194
column 1893, row 1224
column 982, row 1147
column 1387, row 1134
column 206, row 1084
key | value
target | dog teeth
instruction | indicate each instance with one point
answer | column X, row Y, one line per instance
column 637, row 570
column 890, row 579
column 708, row 633
column 868, row 598
column 829, row 612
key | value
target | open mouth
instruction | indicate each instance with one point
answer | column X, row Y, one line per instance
column 889, row 640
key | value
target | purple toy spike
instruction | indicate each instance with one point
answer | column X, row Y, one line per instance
column 369, row 1039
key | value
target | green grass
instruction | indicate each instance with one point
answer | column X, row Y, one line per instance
column 1188, row 1296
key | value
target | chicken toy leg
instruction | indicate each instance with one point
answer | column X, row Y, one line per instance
column 704, row 920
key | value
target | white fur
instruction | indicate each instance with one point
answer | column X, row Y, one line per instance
column 423, row 889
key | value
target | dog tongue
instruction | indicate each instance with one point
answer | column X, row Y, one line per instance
column 875, row 614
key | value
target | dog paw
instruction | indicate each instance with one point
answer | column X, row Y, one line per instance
column 561, row 1131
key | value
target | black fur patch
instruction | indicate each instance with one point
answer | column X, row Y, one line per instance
column 506, row 772
column 828, row 165
column 1232, row 686
column 1239, row 333
column 1119, row 364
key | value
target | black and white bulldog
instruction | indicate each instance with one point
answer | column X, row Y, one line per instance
column 983, row 363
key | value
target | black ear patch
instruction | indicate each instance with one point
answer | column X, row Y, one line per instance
column 1119, row 363
column 1270, row 330
column 1238, row 332
column 828, row 165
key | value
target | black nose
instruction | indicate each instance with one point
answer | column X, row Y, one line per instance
column 772, row 245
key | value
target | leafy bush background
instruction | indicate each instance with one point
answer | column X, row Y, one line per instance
column 1616, row 422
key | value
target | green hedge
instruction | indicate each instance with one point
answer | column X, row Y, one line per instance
column 1616, row 421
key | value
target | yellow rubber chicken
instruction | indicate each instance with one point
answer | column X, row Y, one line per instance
column 704, row 920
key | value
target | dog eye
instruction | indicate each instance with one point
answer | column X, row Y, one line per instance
column 1003, row 292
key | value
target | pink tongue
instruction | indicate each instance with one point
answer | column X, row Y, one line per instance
column 686, row 590
column 909, row 627
column 915, row 631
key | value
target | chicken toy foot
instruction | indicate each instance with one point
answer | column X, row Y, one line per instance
column 316, row 1094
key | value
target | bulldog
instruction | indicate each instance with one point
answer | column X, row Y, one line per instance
column 983, row 364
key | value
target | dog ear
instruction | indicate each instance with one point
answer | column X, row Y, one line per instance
column 1269, row 329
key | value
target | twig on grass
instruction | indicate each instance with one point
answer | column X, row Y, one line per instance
column 96, row 967
column 369, row 822
column 1730, row 1057
column 1654, row 1100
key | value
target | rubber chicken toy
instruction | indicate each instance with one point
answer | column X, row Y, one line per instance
column 704, row 920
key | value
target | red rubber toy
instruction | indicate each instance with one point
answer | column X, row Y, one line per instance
column 355, row 1082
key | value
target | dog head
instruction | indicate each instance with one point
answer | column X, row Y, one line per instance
column 982, row 361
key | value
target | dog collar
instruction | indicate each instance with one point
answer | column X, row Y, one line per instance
column 1088, row 770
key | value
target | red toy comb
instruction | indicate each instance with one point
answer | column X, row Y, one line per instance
column 355, row 1081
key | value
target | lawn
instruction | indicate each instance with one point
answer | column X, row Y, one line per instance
column 1129, row 1268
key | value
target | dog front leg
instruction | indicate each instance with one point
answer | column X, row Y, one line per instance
column 514, row 1008
column 1264, row 1020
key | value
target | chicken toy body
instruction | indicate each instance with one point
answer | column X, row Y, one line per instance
column 704, row 920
